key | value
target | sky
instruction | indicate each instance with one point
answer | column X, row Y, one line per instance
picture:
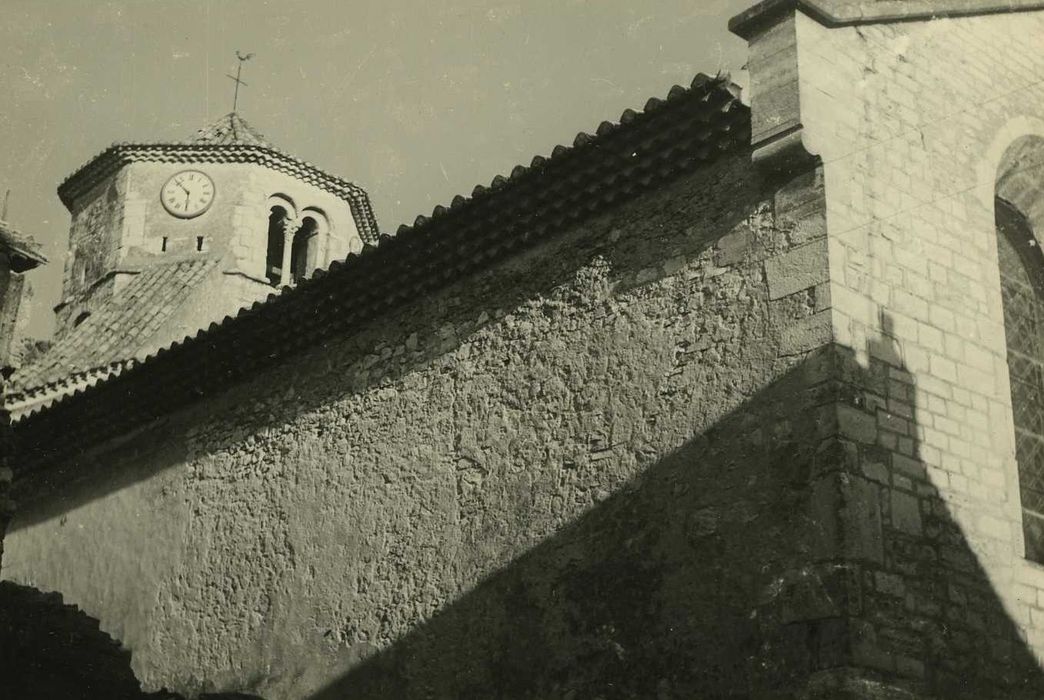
column 414, row 100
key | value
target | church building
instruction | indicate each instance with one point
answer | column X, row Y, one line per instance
column 726, row 398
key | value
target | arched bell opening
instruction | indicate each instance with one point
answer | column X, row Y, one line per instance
column 278, row 220
column 303, row 256
column 310, row 244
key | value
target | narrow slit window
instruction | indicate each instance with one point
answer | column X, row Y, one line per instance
column 199, row 243
column 163, row 245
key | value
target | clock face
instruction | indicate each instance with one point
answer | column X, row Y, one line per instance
column 187, row 194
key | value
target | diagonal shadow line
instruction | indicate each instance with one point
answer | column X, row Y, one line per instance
column 158, row 446
column 50, row 650
column 738, row 566
column 726, row 571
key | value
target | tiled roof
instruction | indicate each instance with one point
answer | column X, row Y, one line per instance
column 22, row 250
column 231, row 129
column 229, row 140
column 120, row 330
column 691, row 128
column 40, row 397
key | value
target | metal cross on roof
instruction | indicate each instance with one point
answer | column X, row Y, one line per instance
column 239, row 71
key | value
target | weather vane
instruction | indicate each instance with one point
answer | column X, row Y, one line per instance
column 239, row 71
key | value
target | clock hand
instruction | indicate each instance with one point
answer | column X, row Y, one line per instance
column 178, row 183
column 187, row 196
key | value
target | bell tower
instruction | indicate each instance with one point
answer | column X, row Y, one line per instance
column 261, row 217
column 168, row 238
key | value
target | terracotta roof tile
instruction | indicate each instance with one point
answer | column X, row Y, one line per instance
column 675, row 137
column 231, row 129
column 22, row 250
column 118, row 330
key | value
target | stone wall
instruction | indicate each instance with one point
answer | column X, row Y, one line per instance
column 911, row 121
column 15, row 300
column 94, row 234
column 587, row 471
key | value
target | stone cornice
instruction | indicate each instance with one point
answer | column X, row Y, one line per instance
column 838, row 13
column 116, row 156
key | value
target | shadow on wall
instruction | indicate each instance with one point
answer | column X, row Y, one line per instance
column 51, row 650
column 692, row 203
column 713, row 201
column 767, row 558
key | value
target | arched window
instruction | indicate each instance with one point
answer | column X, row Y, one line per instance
column 303, row 255
column 1022, row 289
column 296, row 241
column 277, row 222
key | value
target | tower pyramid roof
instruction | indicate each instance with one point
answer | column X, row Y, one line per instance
column 231, row 129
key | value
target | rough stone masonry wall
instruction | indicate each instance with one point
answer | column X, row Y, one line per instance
column 911, row 120
column 13, row 302
column 586, row 472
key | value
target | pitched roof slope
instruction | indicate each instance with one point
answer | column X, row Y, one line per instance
column 120, row 330
column 22, row 250
column 231, row 129
column 690, row 129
